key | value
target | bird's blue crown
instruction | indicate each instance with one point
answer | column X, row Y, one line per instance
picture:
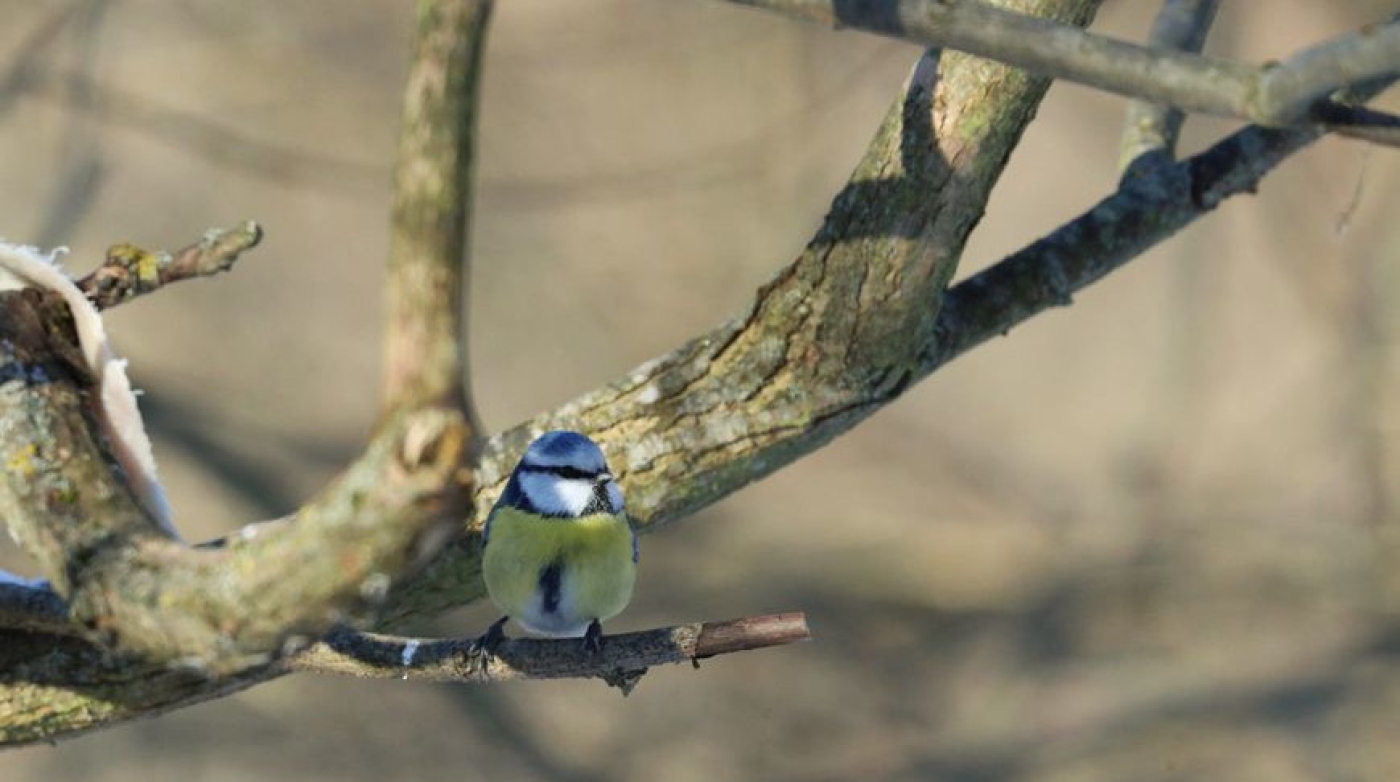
column 562, row 448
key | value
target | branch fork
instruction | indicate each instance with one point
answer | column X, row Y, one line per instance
column 722, row 410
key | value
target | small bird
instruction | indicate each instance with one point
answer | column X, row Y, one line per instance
column 560, row 555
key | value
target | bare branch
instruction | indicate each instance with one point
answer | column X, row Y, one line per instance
column 621, row 662
column 225, row 610
column 1294, row 90
column 1154, row 127
column 1279, row 95
column 423, row 348
column 1144, row 212
column 1360, row 123
column 52, row 684
column 131, row 586
column 749, row 397
column 130, row 271
column 738, row 403
column 909, row 205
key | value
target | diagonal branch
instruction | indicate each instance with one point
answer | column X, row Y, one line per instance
column 874, row 274
column 1145, row 211
column 836, row 334
column 1277, row 95
column 1360, row 123
column 635, row 416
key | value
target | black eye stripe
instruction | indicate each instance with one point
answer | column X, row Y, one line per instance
column 561, row 470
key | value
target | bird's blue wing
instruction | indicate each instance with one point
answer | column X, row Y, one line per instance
column 510, row 496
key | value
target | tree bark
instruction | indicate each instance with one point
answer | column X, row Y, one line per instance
column 844, row 329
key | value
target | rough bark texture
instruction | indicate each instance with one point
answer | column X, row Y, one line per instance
column 156, row 624
column 831, row 338
column 837, row 334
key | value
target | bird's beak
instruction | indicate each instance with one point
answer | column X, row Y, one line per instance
column 603, row 477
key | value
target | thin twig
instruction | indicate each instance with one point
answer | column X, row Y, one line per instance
column 1276, row 95
column 130, row 271
column 621, row 661
column 1153, row 127
column 1360, row 123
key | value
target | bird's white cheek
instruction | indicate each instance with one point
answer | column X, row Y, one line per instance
column 554, row 496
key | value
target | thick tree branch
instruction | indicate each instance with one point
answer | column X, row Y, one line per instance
column 223, row 610
column 1152, row 128
column 621, row 662
column 141, row 592
column 871, row 280
column 837, row 334
column 1289, row 93
column 129, row 271
column 632, row 417
column 423, row 347
column 834, row 336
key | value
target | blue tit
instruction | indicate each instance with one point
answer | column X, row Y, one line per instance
column 560, row 555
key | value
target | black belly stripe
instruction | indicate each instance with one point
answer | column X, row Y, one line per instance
column 550, row 578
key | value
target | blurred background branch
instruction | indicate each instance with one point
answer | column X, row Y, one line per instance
column 1153, row 128
column 1292, row 92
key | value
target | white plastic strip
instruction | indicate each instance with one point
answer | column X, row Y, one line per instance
column 117, row 413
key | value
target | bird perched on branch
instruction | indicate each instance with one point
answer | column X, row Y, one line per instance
column 560, row 554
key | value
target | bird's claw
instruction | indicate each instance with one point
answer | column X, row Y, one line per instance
column 494, row 635
column 593, row 639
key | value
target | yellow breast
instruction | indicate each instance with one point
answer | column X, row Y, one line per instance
column 593, row 555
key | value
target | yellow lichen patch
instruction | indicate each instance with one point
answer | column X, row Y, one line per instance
column 148, row 267
column 22, row 460
column 124, row 254
column 143, row 263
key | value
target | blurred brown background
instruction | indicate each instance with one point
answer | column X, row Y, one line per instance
column 1140, row 538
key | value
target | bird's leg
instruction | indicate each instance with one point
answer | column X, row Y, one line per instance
column 493, row 636
column 593, row 639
